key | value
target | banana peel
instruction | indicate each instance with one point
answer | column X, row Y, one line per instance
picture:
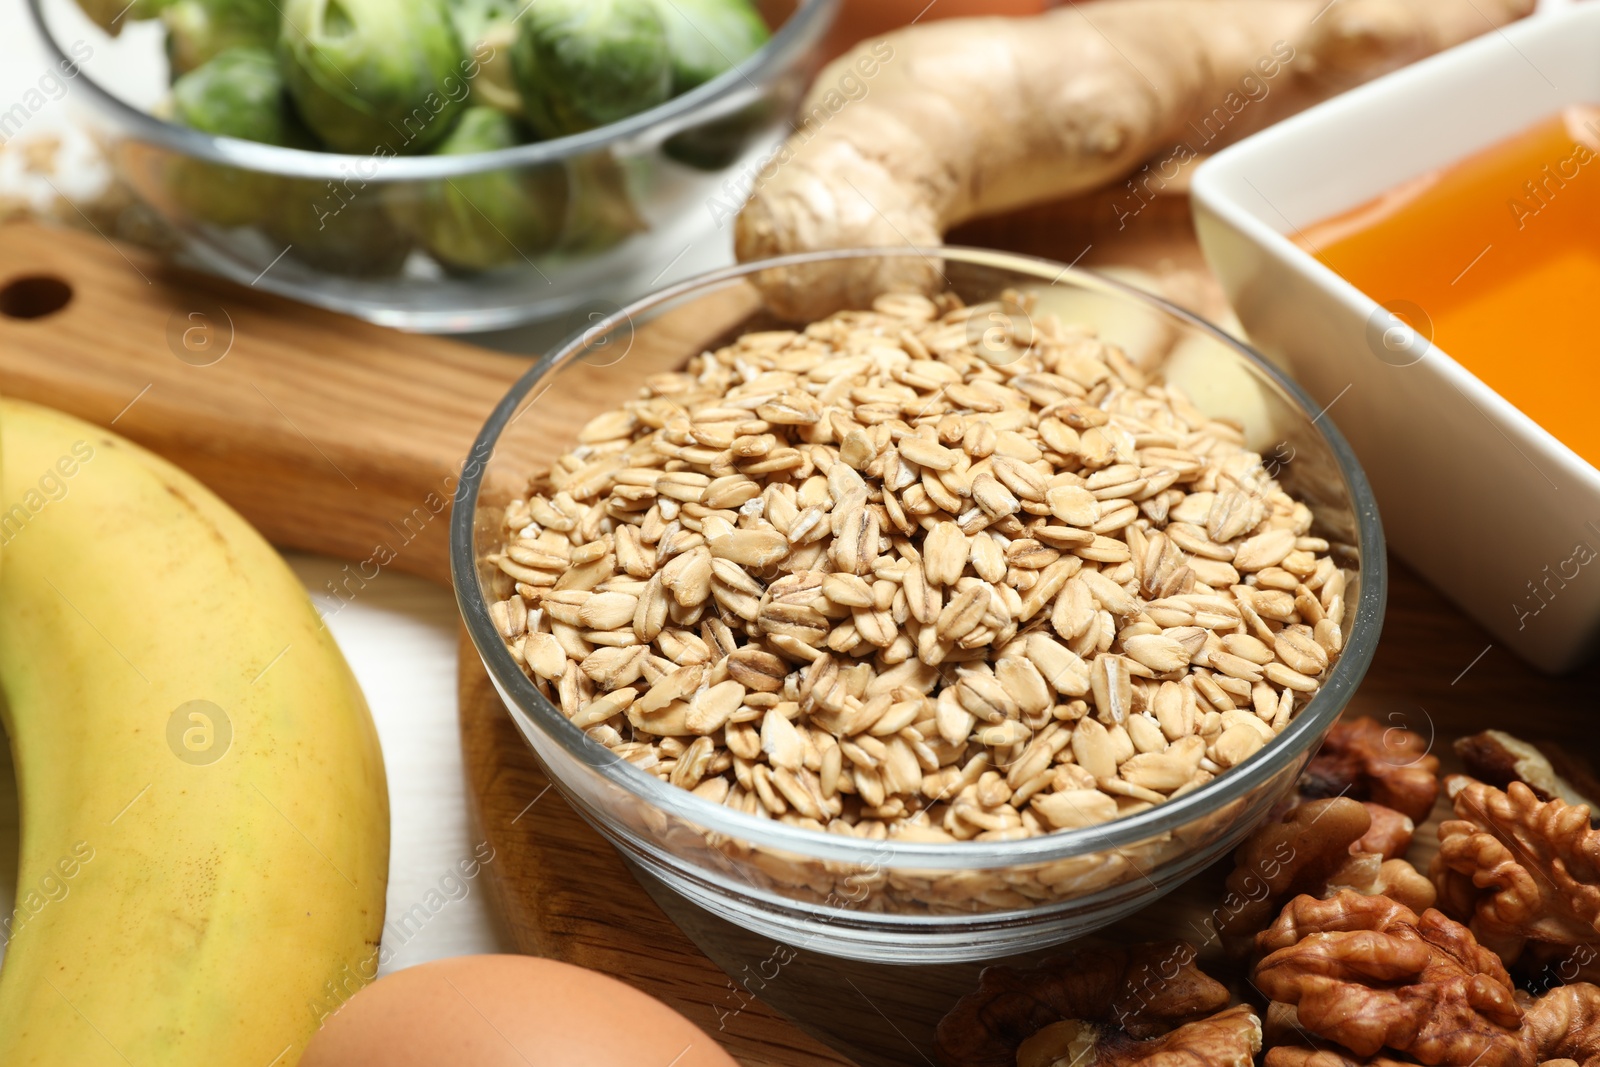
column 204, row 813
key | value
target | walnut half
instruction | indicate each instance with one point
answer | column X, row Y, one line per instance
column 1390, row 835
column 1229, row 1038
column 1519, row 869
column 1365, row 760
column 1372, row 975
column 1305, row 1056
column 1313, row 849
column 1566, row 1024
column 1284, row 858
column 1140, row 991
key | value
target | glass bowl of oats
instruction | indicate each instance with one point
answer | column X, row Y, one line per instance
column 936, row 629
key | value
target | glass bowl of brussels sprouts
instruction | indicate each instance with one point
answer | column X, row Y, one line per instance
column 444, row 165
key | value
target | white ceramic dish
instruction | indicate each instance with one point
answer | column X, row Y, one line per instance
column 1486, row 504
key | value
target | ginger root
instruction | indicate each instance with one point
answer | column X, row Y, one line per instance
column 941, row 122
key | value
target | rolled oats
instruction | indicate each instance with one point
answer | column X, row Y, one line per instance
column 860, row 578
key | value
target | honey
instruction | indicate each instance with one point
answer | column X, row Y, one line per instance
column 1498, row 256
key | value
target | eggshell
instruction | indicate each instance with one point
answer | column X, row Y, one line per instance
column 507, row 1011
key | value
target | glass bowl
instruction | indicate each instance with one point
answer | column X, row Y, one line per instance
column 605, row 215
column 897, row 900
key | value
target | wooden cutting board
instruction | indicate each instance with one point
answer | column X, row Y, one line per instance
column 328, row 434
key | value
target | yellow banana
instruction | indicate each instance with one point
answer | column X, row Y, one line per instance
column 205, row 824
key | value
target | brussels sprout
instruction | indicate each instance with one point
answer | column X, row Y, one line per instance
column 719, row 143
column 239, row 93
column 602, row 215
column 709, row 37
column 337, row 227
column 488, row 29
column 585, row 63
column 496, row 83
column 112, row 15
column 373, row 74
column 483, row 221
column 474, row 17
column 198, row 30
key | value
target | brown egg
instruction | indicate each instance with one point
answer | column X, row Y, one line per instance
column 507, row 1011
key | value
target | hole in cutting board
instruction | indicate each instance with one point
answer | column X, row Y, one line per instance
column 34, row 297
